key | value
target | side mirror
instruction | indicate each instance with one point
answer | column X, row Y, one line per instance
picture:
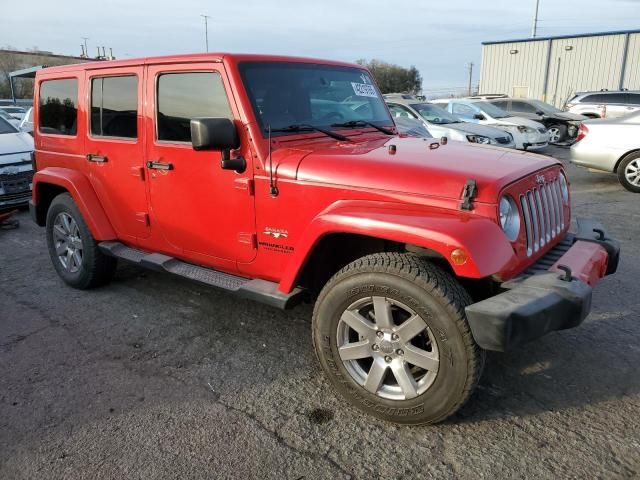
column 540, row 112
column 218, row 134
column 479, row 116
column 214, row 134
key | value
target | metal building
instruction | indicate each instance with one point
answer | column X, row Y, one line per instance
column 554, row 68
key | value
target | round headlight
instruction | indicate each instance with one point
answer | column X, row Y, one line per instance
column 509, row 218
column 564, row 188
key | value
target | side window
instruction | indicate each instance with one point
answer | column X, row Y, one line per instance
column 620, row 98
column 399, row 111
column 183, row 96
column 114, row 106
column 463, row 110
column 634, row 98
column 59, row 107
column 522, row 107
column 504, row 104
column 597, row 98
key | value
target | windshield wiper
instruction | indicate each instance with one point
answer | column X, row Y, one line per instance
column 361, row 123
column 310, row 128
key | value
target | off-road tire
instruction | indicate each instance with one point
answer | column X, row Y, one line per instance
column 439, row 300
column 96, row 268
column 632, row 157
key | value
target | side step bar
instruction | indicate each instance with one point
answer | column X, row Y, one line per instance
column 258, row 290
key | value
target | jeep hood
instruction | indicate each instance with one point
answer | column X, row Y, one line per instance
column 416, row 168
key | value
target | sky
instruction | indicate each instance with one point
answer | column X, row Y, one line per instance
column 440, row 38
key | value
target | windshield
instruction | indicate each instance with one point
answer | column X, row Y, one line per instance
column 491, row 110
column 433, row 114
column 6, row 127
column 288, row 94
column 544, row 107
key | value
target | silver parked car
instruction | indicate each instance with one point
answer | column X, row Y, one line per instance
column 604, row 104
column 444, row 124
column 15, row 112
column 26, row 125
column 16, row 169
column 611, row 145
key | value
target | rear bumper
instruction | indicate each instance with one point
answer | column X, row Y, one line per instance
column 554, row 294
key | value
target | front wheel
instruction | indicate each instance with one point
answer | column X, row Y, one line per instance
column 557, row 133
column 391, row 334
column 629, row 172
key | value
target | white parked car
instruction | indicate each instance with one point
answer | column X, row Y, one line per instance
column 16, row 169
column 15, row 112
column 26, row 125
column 527, row 134
column 441, row 123
column 13, row 121
column 611, row 145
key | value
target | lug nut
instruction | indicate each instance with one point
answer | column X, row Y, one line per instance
column 387, row 359
column 379, row 334
column 400, row 351
column 395, row 336
column 375, row 347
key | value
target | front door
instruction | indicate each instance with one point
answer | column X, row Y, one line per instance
column 115, row 148
column 204, row 212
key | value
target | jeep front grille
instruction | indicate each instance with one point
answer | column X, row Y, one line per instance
column 543, row 212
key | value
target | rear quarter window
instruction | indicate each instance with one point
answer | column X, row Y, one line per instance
column 58, row 107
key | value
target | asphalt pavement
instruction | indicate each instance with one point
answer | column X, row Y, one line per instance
column 156, row 377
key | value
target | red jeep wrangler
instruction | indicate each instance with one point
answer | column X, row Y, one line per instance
column 281, row 179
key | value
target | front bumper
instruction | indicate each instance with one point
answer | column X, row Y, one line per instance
column 554, row 294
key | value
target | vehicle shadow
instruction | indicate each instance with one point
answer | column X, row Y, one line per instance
column 594, row 363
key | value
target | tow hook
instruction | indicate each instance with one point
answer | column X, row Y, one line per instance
column 568, row 276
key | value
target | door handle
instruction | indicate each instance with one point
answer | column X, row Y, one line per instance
column 159, row 165
column 96, row 158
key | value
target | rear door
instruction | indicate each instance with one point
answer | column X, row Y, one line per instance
column 115, row 148
column 203, row 211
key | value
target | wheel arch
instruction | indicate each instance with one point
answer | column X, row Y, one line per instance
column 624, row 157
column 53, row 181
column 354, row 229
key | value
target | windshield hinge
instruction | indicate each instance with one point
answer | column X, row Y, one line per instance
column 469, row 193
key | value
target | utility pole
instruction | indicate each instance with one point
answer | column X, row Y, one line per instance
column 86, row 52
column 534, row 28
column 206, row 31
column 470, row 76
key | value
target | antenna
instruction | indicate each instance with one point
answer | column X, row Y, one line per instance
column 206, row 31
column 273, row 190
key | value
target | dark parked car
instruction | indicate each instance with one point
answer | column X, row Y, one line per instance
column 562, row 126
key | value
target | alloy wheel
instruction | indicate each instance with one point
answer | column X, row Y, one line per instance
column 387, row 348
column 67, row 242
column 632, row 172
column 554, row 135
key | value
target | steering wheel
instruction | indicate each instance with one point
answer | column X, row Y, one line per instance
column 332, row 117
column 348, row 99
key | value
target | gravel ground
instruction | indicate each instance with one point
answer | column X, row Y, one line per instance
column 155, row 377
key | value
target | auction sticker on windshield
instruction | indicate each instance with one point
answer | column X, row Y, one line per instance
column 364, row 90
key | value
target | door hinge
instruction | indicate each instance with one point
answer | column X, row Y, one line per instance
column 143, row 218
column 244, row 184
column 138, row 172
column 249, row 239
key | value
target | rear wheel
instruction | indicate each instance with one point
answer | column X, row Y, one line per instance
column 629, row 172
column 73, row 250
column 557, row 133
column 391, row 334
